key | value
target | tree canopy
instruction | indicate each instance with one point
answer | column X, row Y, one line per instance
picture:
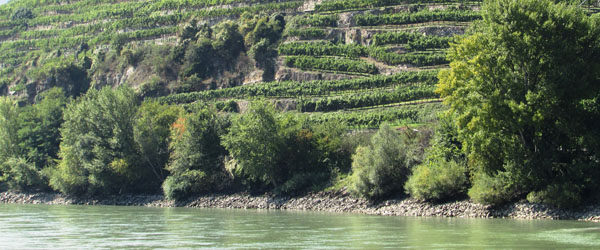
column 523, row 90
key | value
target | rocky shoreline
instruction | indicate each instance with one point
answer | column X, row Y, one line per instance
column 322, row 201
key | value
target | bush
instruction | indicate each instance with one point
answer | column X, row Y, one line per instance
column 19, row 174
column 561, row 195
column 255, row 142
column 39, row 135
column 98, row 151
column 180, row 186
column 283, row 153
column 381, row 168
column 196, row 161
column 437, row 180
column 151, row 131
column 493, row 190
column 22, row 13
column 311, row 153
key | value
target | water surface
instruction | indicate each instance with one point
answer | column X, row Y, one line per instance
column 111, row 227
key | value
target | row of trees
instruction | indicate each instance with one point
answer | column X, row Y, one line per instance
column 107, row 142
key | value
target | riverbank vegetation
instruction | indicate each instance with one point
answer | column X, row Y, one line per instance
column 518, row 118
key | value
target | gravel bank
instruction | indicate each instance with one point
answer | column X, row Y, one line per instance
column 323, row 201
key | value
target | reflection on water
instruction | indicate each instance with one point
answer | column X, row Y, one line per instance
column 109, row 227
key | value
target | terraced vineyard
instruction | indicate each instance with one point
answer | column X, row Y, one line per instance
column 359, row 62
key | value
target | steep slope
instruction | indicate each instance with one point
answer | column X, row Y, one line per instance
column 352, row 60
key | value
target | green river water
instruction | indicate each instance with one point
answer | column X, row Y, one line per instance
column 111, row 227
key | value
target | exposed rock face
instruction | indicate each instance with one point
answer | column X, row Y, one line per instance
column 337, row 201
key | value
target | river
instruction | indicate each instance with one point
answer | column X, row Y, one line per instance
column 113, row 227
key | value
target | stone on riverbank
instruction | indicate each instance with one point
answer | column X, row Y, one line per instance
column 322, row 201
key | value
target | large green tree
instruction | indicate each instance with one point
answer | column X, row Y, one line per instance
column 152, row 131
column 523, row 91
column 9, row 126
column 255, row 142
column 98, row 151
column 29, row 138
column 196, row 162
column 39, row 134
column 15, row 171
column 283, row 152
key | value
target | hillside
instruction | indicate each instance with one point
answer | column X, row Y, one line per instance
column 375, row 60
column 190, row 97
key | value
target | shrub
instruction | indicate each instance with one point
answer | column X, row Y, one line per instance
column 19, row 174
column 492, row 190
column 283, row 153
column 561, row 195
column 310, row 154
column 177, row 187
column 437, row 180
column 98, row 151
column 255, row 142
column 151, row 134
column 196, row 161
column 22, row 13
column 381, row 168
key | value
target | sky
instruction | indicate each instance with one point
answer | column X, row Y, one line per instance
column 3, row 1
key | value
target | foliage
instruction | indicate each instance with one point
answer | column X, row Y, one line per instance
column 371, row 98
column 312, row 153
column 306, row 33
column 377, row 53
column 417, row 17
column 196, row 161
column 98, row 150
column 151, row 134
column 437, row 180
column 444, row 174
column 517, row 89
column 111, row 144
column 22, row 13
column 322, row 49
column 494, row 190
column 311, row 88
column 359, row 4
column 330, row 63
column 68, row 74
column 19, row 174
column 262, row 33
column 262, row 52
column 9, row 126
column 413, row 41
column 317, row 20
column 564, row 195
column 286, row 153
column 374, row 118
column 380, row 168
column 417, row 59
column 254, row 141
column 228, row 42
column 39, row 134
